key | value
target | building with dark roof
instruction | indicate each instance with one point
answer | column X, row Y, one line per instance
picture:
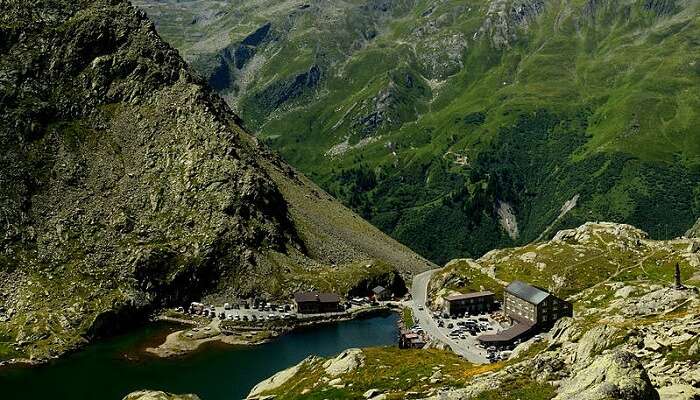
column 470, row 303
column 316, row 303
column 527, row 303
column 530, row 309
column 508, row 337
column 381, row 293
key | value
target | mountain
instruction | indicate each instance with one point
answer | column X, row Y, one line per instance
column 460, row 126
column 633, row 335
column 126, row 185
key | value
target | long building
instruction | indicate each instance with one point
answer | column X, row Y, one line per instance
column 316, row 303
column 470, row 303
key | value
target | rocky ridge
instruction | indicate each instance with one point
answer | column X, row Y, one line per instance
column 126, row 185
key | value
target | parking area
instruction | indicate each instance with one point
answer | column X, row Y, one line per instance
column 261, row 311
column 464, row 331
column 243, row 311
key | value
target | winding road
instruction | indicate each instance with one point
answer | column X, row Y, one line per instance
column 421, row 313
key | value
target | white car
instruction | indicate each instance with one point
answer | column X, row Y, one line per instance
column 420, row 308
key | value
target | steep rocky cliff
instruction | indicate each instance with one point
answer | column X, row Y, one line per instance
column 126, row 185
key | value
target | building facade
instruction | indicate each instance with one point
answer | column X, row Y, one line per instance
column 531, row 309
column 381, row 293
column 316, row 303
column 470, row 303
column 530, row 304
column 411, row 340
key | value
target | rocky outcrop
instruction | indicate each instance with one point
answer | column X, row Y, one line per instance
column 694, row 231
column 158, row 395
column 281, row 92
column 618, row 375
column 505, row 17
column 278, row 379
column 345, row 362
column 234, row 58
column 585, row 233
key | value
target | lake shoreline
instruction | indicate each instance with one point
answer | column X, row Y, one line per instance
column 172, row 349
column 183, row 342
column 215, row 371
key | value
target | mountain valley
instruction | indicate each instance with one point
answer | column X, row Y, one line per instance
column 461, row 126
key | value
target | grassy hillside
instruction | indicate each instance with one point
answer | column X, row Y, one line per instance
column 127, row 185
column 440, row 120
column 577, row 261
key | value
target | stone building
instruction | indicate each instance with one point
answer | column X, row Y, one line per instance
column 531, row 310
column 527, row 303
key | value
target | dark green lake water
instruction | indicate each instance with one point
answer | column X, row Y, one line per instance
column 110, row 369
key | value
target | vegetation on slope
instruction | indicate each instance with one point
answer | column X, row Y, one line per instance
column 426, row 116
column 127, row 185
column 589, row 256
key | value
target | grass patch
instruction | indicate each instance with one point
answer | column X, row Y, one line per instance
column 407, row 317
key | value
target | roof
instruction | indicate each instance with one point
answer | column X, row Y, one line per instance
column 527, row 292
column 473, row 295
column 379, row 289
column 507, row 335
column 328, row 298
column 307, row 297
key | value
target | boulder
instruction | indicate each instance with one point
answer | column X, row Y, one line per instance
column 436, row 377
column 594, row 342
column 651, row 344
column 345, row 362
column 625, row 292
column 694, row 349
column 616, row 375
column 372, row 393
column 528, row 257
column 275, row 380
column 564, row 330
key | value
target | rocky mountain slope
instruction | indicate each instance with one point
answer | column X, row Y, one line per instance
column 127, row 185
column 459, row 126
column 633, row 336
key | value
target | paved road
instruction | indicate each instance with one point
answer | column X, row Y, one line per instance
column 419, row 292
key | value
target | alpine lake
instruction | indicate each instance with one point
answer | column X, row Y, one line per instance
column 110, row 369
